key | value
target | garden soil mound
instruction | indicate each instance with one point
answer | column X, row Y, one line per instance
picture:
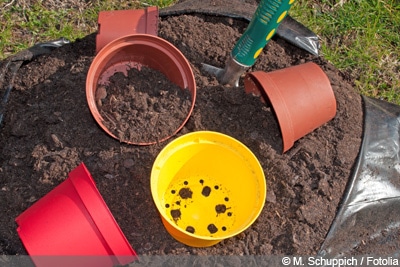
column 48, row 130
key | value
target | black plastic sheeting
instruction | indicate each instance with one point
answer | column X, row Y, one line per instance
column 368, row 219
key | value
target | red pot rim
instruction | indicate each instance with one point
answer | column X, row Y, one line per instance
column 83, row 198
column 100, row 213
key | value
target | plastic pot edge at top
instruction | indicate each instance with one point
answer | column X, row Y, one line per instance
column 113, row 24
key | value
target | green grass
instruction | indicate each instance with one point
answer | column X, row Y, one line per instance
column 23, row 24
column 360, row 37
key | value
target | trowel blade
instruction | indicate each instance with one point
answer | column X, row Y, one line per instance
column 220, row 74
column 229, row 75
column 210, row 69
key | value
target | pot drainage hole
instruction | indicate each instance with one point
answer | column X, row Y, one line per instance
column 200, row 206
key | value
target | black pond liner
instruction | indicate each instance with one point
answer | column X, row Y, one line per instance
column 368, row 218
column 369, row 215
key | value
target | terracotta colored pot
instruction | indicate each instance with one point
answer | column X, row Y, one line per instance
column 117, row 23
column 134, row 51
column 73, row 220
column 301, row 96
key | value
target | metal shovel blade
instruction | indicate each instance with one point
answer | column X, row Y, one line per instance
column 230, row 75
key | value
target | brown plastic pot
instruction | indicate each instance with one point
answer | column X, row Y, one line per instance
column 301, row 97
column 134, row 51
column 117, row 23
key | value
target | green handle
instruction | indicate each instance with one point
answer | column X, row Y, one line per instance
column 262, row 27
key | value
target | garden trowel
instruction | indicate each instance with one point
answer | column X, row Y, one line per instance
column 289, row 29
column 262, row 27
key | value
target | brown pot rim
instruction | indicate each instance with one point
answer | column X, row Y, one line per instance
column 262, row 84
column 113, row 24
column 163, row 47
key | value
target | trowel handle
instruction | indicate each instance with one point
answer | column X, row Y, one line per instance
column 262, row 27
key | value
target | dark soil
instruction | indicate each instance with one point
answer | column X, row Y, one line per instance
column 48, row 130
column 143, row 106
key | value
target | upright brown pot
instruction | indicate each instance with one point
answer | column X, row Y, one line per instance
column 301, row 97
column 114, row 24
column 134, row 51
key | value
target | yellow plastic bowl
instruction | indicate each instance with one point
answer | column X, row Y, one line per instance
column 207, row 187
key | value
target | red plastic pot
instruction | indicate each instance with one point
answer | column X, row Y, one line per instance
column 301, row 96
column 117, row 23
column 73, row 224
column 134, row 51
